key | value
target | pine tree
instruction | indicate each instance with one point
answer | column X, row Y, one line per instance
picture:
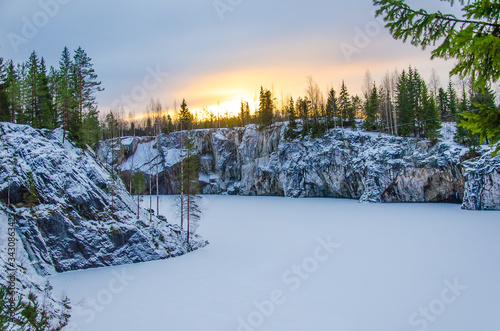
column 189, row 203
column 84, row 87
column 302, row 109
column 90, row 129
column 244, row 113
column 138, row 186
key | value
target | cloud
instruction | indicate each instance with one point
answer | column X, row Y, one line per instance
column 270, row 43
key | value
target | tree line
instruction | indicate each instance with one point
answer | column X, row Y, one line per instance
column 48, row 98
column 472, row 39
column 402, row 104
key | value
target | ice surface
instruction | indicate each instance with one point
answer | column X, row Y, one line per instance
column 392, row 260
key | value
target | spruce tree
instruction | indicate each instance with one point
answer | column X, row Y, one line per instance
column 302, row 109
column 31, row 195
column 344, row 105
column 185, row 117
column 266, row 107
column 4, row 98
column 356, row 107
column 403, row 108
column 472, row 39
column 331, row 107
column 371, row 109
column 48, row 116
column 32, row 111
column 443, row 103
column 292, row 124
column 432, row 122
column 452, row 101
column 14, row 92
column 65, row 100
column 463, row 135
column 483, row 104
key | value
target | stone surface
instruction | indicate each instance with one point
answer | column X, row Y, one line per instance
column 360, row 165
column 81, row 219
column 482, row 188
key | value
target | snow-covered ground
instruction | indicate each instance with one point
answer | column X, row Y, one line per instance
column 306, row 264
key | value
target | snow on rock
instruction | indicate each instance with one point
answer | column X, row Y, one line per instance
column 27, row 279
column 360, row 165
column 482, row 188
column 81, row 219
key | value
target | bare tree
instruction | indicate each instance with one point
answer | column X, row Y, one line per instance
column 434, row 83
column 367, row 85
column 315, row 95
column 387, row 102
column 394, row 87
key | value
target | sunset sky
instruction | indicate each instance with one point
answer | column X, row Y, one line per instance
column 210, row 51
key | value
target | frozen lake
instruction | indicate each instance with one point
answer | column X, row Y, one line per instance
column 281, row 264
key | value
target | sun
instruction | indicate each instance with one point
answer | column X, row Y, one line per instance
column 231, row 107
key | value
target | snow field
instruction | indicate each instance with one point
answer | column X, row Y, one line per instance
column 306, row 264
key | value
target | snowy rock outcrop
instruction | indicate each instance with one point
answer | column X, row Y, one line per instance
column 482, row 187
column 27, row 279
column 80, row 218
column 343, row 164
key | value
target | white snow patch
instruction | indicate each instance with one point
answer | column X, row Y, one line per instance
column 393, row 259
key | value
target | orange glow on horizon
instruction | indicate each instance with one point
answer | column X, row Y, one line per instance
column 221, row 93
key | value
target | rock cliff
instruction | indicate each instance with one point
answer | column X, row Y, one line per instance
column 343, row 164
column 482, row 183
column 79, row 217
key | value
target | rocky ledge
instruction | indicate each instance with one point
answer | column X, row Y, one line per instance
column 69, row 212
column 360, row 165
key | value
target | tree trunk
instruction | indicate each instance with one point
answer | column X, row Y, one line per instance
column 138, row 204
column 182, row 181
column 157, row 184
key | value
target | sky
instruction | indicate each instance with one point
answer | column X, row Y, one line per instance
column 213, row 53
